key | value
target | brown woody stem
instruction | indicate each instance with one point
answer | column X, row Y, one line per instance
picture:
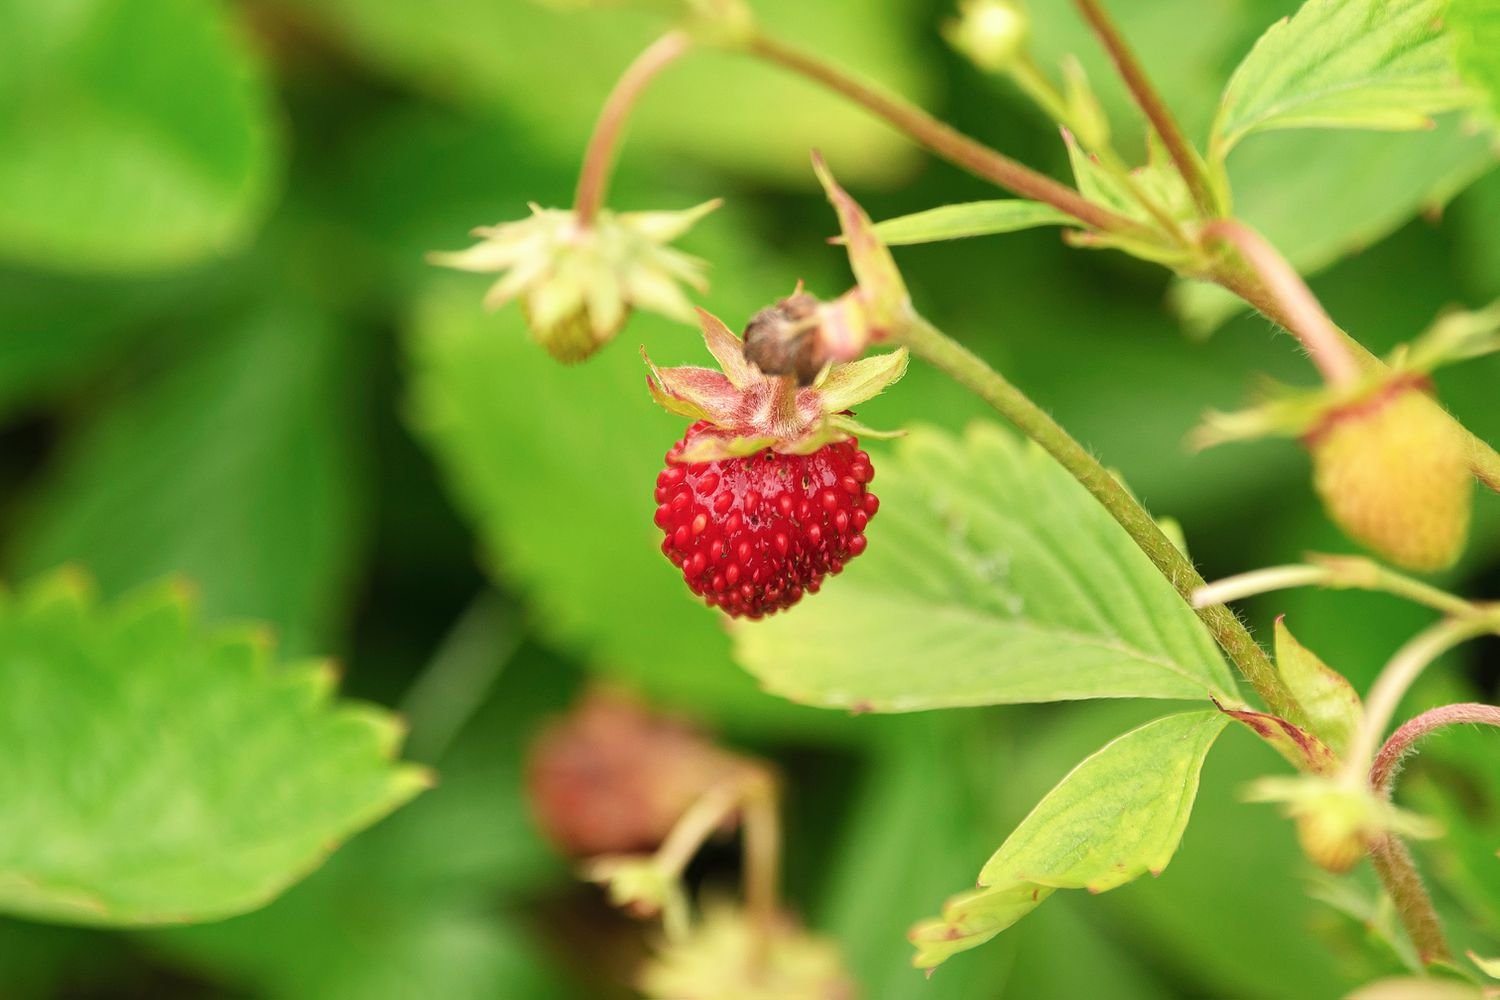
column 599, row 158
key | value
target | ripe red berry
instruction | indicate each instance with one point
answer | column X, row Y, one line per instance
column 752, row 535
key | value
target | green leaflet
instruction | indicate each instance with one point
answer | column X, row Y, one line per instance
column 1475, row 27
column 1365, row 185
column 394, row 913
column 991, row 577
column 135, row 135
column 1119, row 814
column 1374, row 64
column 973, row 218
column 155, row 773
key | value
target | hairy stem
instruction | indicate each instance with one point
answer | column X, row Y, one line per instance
column 1393, row 863
column 1484, row 460
column 1404, row 740
column 1151, row 104
column 1306, row 320
column 1402, row 671
column 942, row 139
column 599, row 158
column 1338, row 572
column 969, row 370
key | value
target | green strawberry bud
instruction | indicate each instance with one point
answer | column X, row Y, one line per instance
column 578, row 283
column 1337, row 822
column 1393, row 473
column 991, row 33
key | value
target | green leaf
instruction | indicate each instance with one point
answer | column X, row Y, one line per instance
column 1119, row 814
column 427, row 903
column 158, row 774
column 1276, row 178
column 1373, row 64
column 1332, row 705
column 973, row 218
column 57, row 331
column 1475, row 27
column 237, row 468
column 135, row 135
column 991, row 577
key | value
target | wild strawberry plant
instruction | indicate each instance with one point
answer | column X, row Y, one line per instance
column 215, row 222
column 1028, row 572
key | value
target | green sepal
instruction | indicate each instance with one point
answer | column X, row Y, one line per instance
column 1332, row 705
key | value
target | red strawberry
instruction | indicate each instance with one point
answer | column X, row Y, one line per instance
column 753, row 534
column 765, row 494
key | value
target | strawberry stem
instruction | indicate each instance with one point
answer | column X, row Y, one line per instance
column 1306, row 319
column 1392, row 861
column 1151, row 104
column 599, row 158
column 1398, row 873
column 1404, row 740
column 952, row 145
column 969, row 370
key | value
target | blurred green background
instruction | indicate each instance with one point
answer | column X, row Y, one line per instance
column 222, row 355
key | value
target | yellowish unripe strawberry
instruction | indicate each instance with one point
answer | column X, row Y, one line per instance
column 1331, row 835
column 1393, row 473
column 1338, row 821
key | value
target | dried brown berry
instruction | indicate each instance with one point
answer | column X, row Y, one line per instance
column 611, row 777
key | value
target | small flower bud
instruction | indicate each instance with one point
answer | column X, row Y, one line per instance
column 1338, row 822
column 578, row 283
column 1332, row 833
column 723, row 958
column 782, row 339
column 1393, row 473
column 612, row 778
column 990, row 33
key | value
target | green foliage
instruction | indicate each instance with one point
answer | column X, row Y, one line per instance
column 1118, row 815
column 1365, row 185
column 1475, row 26
column 134, row 134
column 975, row 218
column 160, row 774
column 468, row 50
column 154, row 424
column 1344, row 64
column 246, row 483
column 991, row 561
column 433, row 895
